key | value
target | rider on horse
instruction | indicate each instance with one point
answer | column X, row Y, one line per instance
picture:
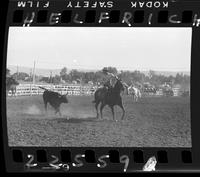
column 109, row 95
column 108, row 84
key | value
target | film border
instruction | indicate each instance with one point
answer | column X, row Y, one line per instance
column 175, row 156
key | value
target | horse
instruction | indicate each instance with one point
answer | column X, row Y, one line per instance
column 125, row 92
column 109, row 96
column 11, row 85
column 135, row 92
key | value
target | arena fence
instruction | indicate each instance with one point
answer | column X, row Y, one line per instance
column 33, row 89
column 75, row 89
column 176, row 92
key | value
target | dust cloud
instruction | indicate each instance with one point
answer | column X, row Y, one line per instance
column 77, row 113
column 33, row 110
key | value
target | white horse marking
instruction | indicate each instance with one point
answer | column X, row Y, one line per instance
column 135, row 92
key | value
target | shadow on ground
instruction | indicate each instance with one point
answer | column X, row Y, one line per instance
column 76, row 120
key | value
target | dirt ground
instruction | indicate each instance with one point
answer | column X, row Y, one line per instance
column 151, row 122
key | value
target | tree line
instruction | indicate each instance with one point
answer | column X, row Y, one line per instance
column 98, row 77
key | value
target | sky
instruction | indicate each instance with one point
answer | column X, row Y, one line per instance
column 126, row 48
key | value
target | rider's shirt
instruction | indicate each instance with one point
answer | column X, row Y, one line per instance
column 110, row 82
column 107, row 84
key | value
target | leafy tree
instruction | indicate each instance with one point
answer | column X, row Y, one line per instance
column 63, row 71
column 63, row 74
column 125, row 76
column 20, row 76
column 110, row 69
column 137, row 76
column 75, row 74
column 88, row 76
column 10, row 82
column 100, row 77
column 151, row 73
column 56, row 79
column 7, row 72
column 45, row 79
column 178, row 78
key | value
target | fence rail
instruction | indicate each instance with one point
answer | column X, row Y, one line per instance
column 33, row 89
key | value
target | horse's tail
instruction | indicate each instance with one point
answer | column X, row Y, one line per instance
column 42, row 88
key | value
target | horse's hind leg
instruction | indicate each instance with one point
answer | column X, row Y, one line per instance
column 101, row 109
column 113, row 113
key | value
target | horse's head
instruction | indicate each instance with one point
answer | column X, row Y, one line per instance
column 119, row 85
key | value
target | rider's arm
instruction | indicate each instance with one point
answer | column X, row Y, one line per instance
column 113, row 75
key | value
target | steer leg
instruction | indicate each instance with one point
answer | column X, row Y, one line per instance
column 45, row 106
column 57, row 110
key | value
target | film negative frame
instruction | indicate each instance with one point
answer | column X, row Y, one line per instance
column 85, row 159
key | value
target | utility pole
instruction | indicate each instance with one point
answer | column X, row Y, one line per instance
column 30, row 76
column 33, row 78
column 34, row 73
column 50, row 76
column 17, row 72
column 51, row 80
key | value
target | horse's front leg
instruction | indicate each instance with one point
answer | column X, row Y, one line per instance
column 122, row 107
column 96, row 106
column 101, row 109
column 113, row 113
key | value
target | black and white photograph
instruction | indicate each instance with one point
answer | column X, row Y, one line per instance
column 98, row 86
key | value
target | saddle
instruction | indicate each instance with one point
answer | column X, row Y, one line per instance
column 108, row 88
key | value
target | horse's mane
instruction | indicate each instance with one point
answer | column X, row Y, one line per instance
column 116, row 85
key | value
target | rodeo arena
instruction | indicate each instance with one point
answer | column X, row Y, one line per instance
column 149, row 116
